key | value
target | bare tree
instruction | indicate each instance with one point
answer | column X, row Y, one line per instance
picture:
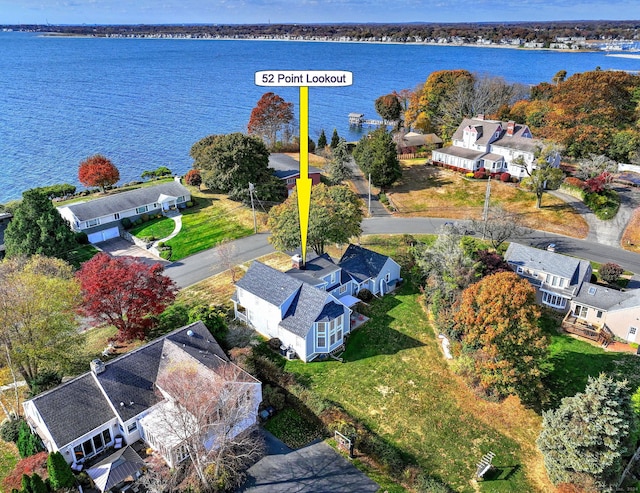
column 227, row 255
column 500, row 225
column 594, row 166
column 208, row 417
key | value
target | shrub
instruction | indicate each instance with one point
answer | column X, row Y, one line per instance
column 469, row 175
column 126, row 222
column 212, row 317
column 610, row 272
column 82, row 238
column 515, row 179
column 137, row 222
column 145, row 217
column 190, row 203
column 30, row 465
column 165, row 254
column 274, row 397
column 479, row 175
column 365, row 295
column 10, row 428
column 427, row 484
column 28, row 443
column 45, row 380
column 37, row 484
column 193, row 178
column 60, row 474
column 275, row 343
column 574, row 182
column 382, row 197
column 505, row 177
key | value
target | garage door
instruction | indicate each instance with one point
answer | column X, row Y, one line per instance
column 104, row 235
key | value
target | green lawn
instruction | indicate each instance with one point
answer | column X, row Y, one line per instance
column 8, row 459
column 81, row 254
column 293, row 429
column 156, row 229
column 204, row 226
column 395, row 380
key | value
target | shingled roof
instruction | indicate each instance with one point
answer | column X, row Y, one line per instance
column 268, row 283
column 306, row 309
column 125, row 201
column 362, row 263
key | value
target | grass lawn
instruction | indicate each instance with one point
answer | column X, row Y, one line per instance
column 78, row 256
column 396, row 381
column 293, row 429
column 213, row 219
column 156, row 229
column 8, row 459
column 438, row 192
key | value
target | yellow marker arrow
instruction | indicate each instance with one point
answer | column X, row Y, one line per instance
column 303, row 184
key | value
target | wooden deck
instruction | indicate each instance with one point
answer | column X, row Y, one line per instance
column 574, row 325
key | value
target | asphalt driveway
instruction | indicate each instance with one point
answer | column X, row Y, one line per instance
column 316, row 468
column 119, row 247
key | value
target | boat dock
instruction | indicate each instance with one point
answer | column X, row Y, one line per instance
column 358, row 120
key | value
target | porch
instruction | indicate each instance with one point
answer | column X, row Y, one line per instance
column 574, row 325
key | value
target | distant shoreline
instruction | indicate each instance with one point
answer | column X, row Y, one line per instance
column 261, row 38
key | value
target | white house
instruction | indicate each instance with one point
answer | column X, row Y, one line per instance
column 492, row 145
column 120, row 399
column 308, row 307
column 101, row 218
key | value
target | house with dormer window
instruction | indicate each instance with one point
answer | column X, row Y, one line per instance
column 308, row 307
column 494, row 145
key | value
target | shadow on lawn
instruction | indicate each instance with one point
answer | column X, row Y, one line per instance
column 501, row 473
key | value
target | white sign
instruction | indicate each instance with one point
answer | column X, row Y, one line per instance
column 297, row 78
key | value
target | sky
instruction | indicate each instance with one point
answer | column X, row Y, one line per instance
column 308, row 11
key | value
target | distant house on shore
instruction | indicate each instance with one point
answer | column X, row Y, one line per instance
column 288, row 169
column 101, row 218
column 412, row 141
column 5, row 218
column 492, row 145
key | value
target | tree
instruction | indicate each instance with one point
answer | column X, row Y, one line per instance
column 37, row 484
column 560, row 76
column 500, row 226
column 497, row 318
column 388, row 107
column 38, row 228
column 28, row 465
column 271, row 115
column 98, row 171
column 322, row 140
column 589, row 434
column 545, row 175
column 376, row 155
column 492, row 262
column 28, row 443
column 339, row 169
column 193, row 178
column 125, row 292
column 335, row 139
column 594, row 166
column 228, row 163
column 610, row 272
column 205, row 414
column 335, row 217
column 38, row 301
column 60, row 474
column 156, row 173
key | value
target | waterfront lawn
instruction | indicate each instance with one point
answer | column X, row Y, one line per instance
column 427, row 191
column 212, row 220
column 395, row 380
column 156, row 229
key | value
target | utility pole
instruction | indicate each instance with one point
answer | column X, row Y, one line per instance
column 255, row 224
column 369, row 194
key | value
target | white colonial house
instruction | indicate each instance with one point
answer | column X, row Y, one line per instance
column 493, row 145
column 119, row 402
column 309, row 307
column 101, row 218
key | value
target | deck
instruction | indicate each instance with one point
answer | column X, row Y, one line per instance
column 579, row 327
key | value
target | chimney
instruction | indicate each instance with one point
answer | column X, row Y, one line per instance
column 480, row 116
column 296, row 262
column 97, row 366
column 511, row 126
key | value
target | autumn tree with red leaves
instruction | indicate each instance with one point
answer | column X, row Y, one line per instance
column 272, row 115
column 34, row 464
column 125, row 292
column 193, row 178
column 497, row 319
column 98, row 171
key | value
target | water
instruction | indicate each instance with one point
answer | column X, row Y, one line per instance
column 144, row 102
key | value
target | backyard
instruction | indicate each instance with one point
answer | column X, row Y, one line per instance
column 437, row 192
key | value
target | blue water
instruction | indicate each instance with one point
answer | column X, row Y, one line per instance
column 144, row 102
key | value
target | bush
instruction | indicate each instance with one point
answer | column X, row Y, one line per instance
column 165, row 254
column 604, row 205
column 479, row 175
column 190, row 203
column 126, row 222
column 382, row 197
column 610, row 272
column 30, row 465
column 505, row 177
column 427, row 484
column 514, row 179
column 82, row 238
column 10, row 428
column 60, row 474
column 574, row 182
column 212, row 317
column 28, row 443
column 469, row 175
column 365, row 295
column 274, row 397
column 45, row 380
column 37, row 484
column 275, row 343
column 145, row 217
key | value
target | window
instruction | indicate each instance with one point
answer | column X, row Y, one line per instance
column 97, row 443
column 519, row 270
column 116, row 215
column 93, row 222
column 291, row 181
column 632, row 331
column 592, row 290
column 182, row 453
column 343, row 289
column 387, row 278
column 580, row 311
column 599, row 314
column 554, row 300
column 322, row 335
column 140, row 210
column 132, row 427
column 180, row 199
column 106, row 436
column 87, row 447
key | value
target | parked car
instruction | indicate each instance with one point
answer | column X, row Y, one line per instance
column 551, row 247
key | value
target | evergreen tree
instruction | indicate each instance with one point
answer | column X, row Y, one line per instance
column 28, row 443
column 588, row 435
column 322, row 140
column 37, row 227
column 335, row 139
column 26, row 484
column 376, row 155
column 60, row 473
column 37, row 484
column 339, row 169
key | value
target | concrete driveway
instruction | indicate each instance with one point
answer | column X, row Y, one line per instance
column 315, row 468
column 118, row 247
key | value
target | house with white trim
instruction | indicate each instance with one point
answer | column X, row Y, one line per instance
column 309, row 307
column 101, row 218
column 493, row 145
column 119, row 401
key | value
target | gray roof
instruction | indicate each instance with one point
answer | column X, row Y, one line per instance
column 285, row 166
column 116, row 468
column 462, row 152
column 605, row 298
column 518, row 143
column 125, row 201
column 306, row 308
column 362, row 263
column 73, row 409
column 268, row 283
column 315, row 269
column 570, row 268
column 79, row 406
column 415, row 139
column 488, row 128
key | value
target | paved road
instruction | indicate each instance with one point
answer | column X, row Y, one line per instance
column 205, row 264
